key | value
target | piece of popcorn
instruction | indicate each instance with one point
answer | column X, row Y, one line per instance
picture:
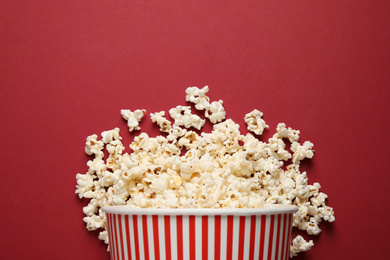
column 175, row 132
column 161, row 121
column 284, row 132
column 326, row 213
column 84, row 184
column 255, row 123
column 276, row 148
column 183, row 117
column 94, row 146
column 189, row 140
column 133, row 118
column 301, row 151
column 111, row 135
column 299, row 244
column 103, row 235
column 198, row 97
column 215, row 112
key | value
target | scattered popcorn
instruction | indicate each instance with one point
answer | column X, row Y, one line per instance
column 133, row 118
column 284, row 132
column 216, row 112
column 198, row 97
column 161, row 121
column 301, row 151
column 299, row 244
column 255, row 123
column 93, row 146
column 208, row 170
column 183, row 117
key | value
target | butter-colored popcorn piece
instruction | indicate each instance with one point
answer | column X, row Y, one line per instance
column 284, row 132
column 94, row 146
column 299, row 244
column 302, row 151
column 103, row 235
column 111, row 135
column 255, row 122
column 161, row 121
column 215, row 112
column 198, row 97
column 133, row 118
column 276, row 148
column 175, row 132
column 84, row 184
column 183, row 117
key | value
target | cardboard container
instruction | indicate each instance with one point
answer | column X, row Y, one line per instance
column 200, row 233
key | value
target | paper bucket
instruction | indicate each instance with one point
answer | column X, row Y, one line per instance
column 200, row 233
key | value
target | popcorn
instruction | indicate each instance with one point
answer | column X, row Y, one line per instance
column 198, row 97
column 215, row 112
column 208, row 170
column 301, row 151
column 93, row 146
column 133, row 118
column 255, row 123
column 299, row 244
column 161, row 121
column 284, row 132
column 183, row 117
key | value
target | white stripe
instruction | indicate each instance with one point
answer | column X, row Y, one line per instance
column 223, row 237
column 140, row 237
column 198, row 237
column 211, row 234
column 149, row 220
column 124, row 238
column 109, row 225
column 236, row 236
column 161, row 237
column 281, row 237
column 115, row 239
column 267, row 234
column 257, row 237
column 186, row 238
column 173, row 238
column 131, row 235
column 247, row 237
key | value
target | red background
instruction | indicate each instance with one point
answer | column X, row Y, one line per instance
column 68, row 67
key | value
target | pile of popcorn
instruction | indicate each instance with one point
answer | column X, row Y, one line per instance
column 182, row 169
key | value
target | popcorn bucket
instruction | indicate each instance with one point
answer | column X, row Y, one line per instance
column 139, row 234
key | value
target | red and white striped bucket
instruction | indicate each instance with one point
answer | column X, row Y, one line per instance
column 200, row 233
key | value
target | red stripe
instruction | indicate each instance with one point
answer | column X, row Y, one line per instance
column 136, row 238
column 110, row 239
column 241, row 233
column 284, row 236
column 192, row 237
column 128, row 237
column 229, row 252
column 271, row 237
column 179, row 224
column 156, row 238
column 115, row 237
column 167, row 228
column 252, row 238
column 121, row 236
column 205, row 240
column 278, row 237
column 217, row 235
column 262, row 236
column 145, row 233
